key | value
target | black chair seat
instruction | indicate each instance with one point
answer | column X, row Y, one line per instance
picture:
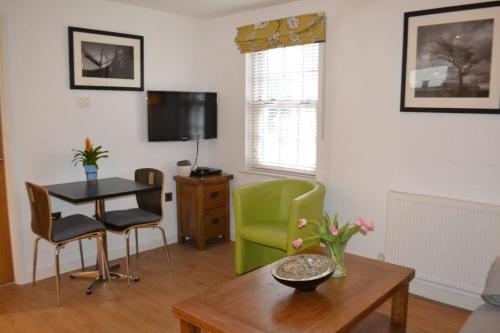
column 123, row 219
column 73, row 226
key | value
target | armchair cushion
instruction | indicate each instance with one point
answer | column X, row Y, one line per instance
column 271, row 233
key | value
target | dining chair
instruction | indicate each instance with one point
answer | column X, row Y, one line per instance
column 61, row 231
column 148, row 214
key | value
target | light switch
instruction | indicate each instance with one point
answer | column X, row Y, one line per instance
column 84, row 101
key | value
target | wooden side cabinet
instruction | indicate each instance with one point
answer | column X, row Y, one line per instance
column 202, row 208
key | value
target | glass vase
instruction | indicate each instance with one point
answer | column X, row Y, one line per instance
column 91, row 171
column 337, row 255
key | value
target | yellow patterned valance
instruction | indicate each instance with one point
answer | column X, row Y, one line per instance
column 295, row 30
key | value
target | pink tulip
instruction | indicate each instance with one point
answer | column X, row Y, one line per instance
column 370, row 226
column 297, row 243
column 334, row 230
column 302, row 223
column 364, row 230
column 360, row 222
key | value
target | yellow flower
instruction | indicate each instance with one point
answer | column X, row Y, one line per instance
column 88, row 144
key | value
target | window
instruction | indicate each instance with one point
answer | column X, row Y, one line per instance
column 282, row 109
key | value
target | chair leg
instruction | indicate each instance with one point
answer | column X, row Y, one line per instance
column 103, row 237
column 58, row 247
column 127, row 259
column 81, row 254
column 165, row 243
column 136, row 242
column 35, row 255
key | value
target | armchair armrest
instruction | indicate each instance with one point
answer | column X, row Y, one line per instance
column 491, row 293
column 308, row 206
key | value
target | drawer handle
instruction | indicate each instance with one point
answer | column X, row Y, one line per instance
column 214, row 195
column 215, row 221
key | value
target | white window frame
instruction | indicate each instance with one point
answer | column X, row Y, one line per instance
column 279, row 172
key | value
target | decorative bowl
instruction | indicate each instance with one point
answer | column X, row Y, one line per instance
column 303, row 272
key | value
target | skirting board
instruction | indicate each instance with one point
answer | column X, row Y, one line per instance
column 74, row 264
column 443, row 294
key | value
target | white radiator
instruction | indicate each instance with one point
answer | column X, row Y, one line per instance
column 448, row 242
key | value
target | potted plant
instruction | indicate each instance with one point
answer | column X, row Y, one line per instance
column 184, row 168
column 334, row 237
column 89, row 157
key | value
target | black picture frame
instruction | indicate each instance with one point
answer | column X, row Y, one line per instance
column 495, row 59
column 133, row 79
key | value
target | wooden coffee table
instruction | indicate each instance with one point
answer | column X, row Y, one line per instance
column 255, row 302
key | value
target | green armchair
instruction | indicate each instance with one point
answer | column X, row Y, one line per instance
column 266, row 216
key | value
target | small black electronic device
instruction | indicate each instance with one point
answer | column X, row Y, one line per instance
column 204, row 171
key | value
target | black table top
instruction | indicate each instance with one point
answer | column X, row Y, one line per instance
column 85, row 191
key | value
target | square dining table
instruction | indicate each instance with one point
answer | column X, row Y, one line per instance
column 97, row 191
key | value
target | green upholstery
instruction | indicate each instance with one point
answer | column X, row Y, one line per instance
column 266, row 216
column 271, row 233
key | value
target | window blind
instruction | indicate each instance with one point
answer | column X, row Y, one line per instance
column 282, row 109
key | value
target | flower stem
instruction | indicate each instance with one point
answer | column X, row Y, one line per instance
column 337, row 255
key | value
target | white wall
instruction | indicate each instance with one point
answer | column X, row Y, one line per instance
column 371, row 147
column 43, row 121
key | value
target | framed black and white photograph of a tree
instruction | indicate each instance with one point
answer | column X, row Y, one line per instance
column 451, row 59
column 105, row 60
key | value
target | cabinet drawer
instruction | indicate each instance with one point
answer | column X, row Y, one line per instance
column 215, row 222
column 214, row 196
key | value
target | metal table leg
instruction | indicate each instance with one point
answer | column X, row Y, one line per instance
column 98, row 275
column 99, row 214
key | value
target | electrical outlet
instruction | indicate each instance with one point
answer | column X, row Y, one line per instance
column 84, row 101
column 168, row 196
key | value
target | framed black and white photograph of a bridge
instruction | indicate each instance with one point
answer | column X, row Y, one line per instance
column 451, row 59
column 105, row 60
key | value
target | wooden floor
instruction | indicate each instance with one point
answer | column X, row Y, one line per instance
column 145, row 305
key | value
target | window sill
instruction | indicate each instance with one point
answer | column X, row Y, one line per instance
column 276, row 174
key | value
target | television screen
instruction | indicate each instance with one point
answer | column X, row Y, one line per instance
column 180, row 116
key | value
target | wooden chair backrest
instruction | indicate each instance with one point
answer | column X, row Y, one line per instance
column 41, row 220
column 150, row 201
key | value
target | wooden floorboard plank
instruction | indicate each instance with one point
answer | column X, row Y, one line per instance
column 145, row 305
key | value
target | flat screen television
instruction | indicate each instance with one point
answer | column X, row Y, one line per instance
column 181, row 116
